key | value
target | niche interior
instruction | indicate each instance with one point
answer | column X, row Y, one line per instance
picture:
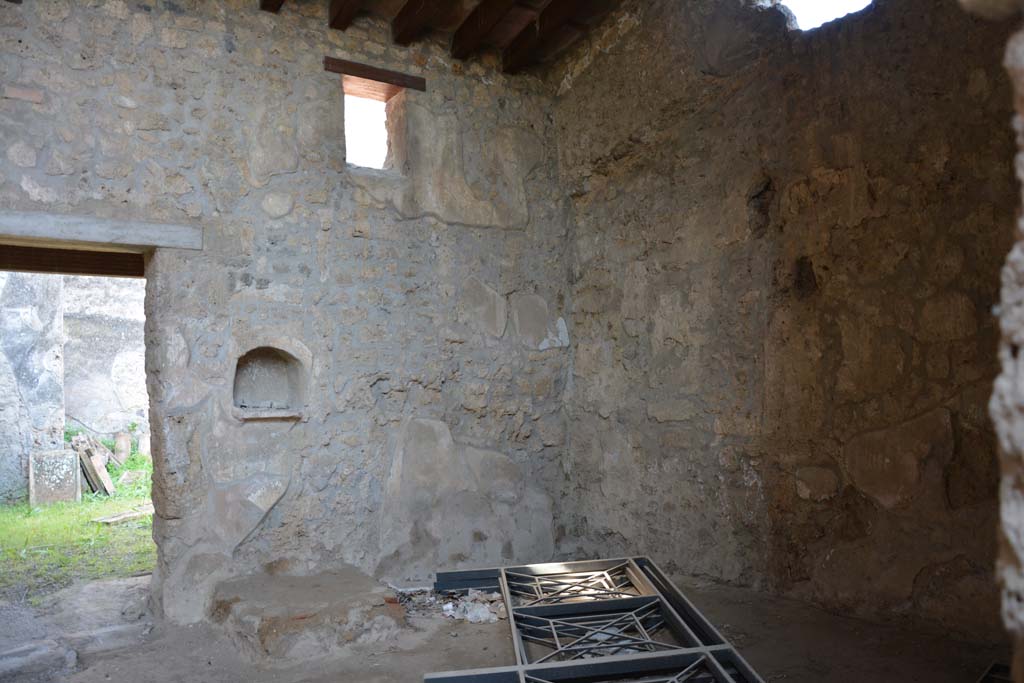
column 269, row 384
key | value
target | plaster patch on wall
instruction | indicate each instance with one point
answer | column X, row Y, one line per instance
column 492, row 511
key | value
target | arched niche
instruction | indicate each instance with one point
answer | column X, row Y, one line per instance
column 270, row 383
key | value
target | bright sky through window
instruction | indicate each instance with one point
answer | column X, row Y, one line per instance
column 813, row 13
column 366, row 133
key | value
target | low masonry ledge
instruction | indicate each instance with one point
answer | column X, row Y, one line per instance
column 251, row 414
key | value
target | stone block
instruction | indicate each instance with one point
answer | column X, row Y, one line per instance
column 122, row 447
column 447, row 504
column 277, row 204
column 948, row 317
column 272, row 148
column 887, row 464
column 237, row 509
column 17, row 92
column 482, row 307
column 816, row 483
column 21, row 155
column 53, row 477
column 534, row 325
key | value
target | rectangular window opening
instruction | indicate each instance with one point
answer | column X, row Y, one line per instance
column 369, row 94
column 366, row 131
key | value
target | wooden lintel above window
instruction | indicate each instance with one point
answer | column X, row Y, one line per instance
column 363, row 80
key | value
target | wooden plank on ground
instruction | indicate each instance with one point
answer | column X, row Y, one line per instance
column 94, row 456
column 136, row 513
column 101, row 470
column 91, row 475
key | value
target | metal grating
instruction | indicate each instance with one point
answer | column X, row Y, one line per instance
column 599, row 621
column 633, row 628
column 562, row 587
column 997, row 673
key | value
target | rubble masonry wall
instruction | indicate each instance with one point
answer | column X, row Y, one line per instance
column 786, row 253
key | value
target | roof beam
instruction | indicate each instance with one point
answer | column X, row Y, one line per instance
column 342, row 12
column 271, row 5
column 415, row 18
column 480, row 22
column 523, row 49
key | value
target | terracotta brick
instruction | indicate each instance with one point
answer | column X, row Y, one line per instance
column 17, row 92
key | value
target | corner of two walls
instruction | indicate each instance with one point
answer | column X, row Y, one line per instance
column 426, row 305
column 775, row 281
column 1007, row 399
column 787, row 249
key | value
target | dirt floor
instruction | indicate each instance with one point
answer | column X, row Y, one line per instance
column 790, row 641
column 101, row 632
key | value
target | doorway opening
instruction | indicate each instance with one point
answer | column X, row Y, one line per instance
column 75, row 461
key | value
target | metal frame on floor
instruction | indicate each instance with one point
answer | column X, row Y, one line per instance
column 997, row 673
column 599, row 621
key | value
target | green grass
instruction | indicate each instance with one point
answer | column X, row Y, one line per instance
column 43, row 549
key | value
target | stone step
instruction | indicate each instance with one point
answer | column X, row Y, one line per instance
column 275, row 620
column 38, row 660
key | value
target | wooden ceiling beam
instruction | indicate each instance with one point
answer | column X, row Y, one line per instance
column 342, row 12
column 480, row 22
column 416, row 18
column 271, row 5
column 523, row 49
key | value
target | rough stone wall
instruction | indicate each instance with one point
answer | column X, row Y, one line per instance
column 1007, row 398
column 426, row 305
column 31, row 376
column 105, row 354
column 787, row 248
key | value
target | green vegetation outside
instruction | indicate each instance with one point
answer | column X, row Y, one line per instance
column 44, row 549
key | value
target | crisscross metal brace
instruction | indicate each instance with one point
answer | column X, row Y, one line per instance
column 596, row 635
column 528, row 590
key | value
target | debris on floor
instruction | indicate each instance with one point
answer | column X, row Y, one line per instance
column 476, row 607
